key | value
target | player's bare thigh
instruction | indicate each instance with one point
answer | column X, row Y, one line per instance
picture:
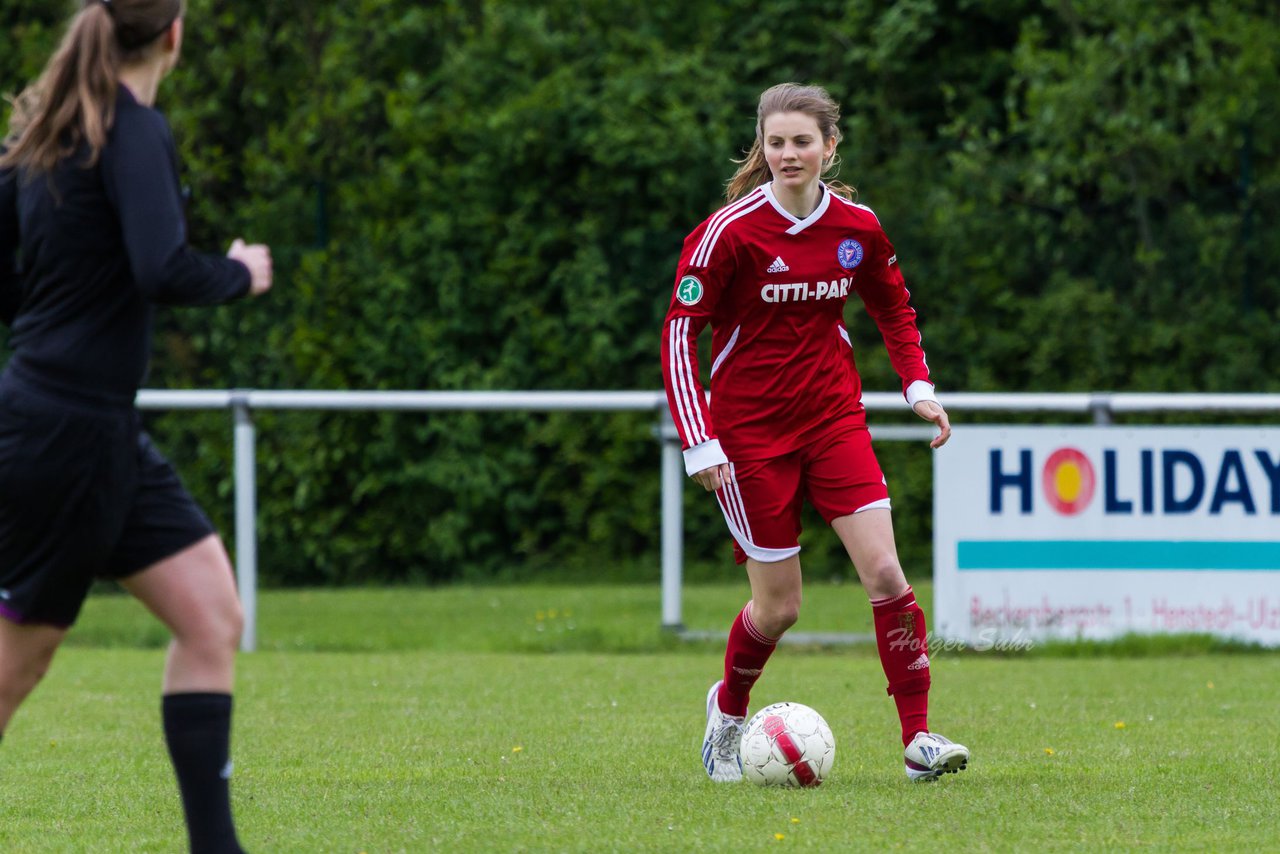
column 868, row 538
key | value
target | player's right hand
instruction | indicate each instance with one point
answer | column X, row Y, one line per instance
column 713, row 479
column 257, row 258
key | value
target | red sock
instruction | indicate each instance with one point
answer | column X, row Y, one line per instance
column 744, row 658
column 904, row 655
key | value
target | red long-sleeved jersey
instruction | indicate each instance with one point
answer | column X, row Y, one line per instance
column 773, row 288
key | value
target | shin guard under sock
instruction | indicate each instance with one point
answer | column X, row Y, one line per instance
column 744, row 659
column 197, row 728
column 903, row 644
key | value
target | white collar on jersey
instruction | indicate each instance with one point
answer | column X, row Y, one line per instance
column 799, row 225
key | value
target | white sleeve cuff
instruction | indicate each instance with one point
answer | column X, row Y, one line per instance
column 703, row 456
column 918, row 391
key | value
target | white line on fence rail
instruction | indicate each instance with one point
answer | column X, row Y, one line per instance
column 1080, row 402
column 426, row 401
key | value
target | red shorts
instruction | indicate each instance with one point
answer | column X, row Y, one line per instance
column 838, row 473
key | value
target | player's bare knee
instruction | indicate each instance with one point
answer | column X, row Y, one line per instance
column 215, row 632
column 37, row 672
column 235, row 621
column 19, row 680
column 230, row 626
column 883, row 576
column 789, row 615
column 776, row 617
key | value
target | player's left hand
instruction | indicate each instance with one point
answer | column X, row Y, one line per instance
column 931, row 410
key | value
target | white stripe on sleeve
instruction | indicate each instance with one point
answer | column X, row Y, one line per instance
column 684, row 382
column 676, row 367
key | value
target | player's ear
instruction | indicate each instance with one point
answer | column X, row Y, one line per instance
column 173, row 39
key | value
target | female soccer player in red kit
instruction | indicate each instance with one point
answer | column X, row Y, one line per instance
column 771, row 272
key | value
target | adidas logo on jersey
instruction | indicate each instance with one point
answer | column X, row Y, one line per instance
column 778, row 266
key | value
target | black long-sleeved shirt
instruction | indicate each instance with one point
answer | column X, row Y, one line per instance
column 100, row 247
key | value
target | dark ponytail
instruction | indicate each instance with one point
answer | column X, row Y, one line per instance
column 73, row 101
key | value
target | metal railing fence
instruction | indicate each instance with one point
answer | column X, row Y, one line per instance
column 242, row 403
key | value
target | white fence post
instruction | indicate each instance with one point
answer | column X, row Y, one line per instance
column 246, row 519
column 672, row 523
column 1100, row 406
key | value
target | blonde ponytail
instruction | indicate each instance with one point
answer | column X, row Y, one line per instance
column 753, row 171
column 74, row 100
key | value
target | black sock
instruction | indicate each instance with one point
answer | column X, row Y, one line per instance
column 197, row 728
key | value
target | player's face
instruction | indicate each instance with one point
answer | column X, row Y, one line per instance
column 794, row 149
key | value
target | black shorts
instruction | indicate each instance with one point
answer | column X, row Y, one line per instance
column 83, row 494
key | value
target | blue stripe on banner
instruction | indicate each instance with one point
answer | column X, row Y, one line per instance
column 1117, row 555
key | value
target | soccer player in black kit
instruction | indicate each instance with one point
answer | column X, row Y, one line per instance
column 92, row 237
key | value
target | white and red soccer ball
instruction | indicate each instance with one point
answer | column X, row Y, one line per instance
column 787, row 744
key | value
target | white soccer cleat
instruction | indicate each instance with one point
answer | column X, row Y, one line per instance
column 721, row 745
column 929, row 756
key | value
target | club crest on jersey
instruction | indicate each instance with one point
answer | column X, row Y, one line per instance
column 849, row 253
column 689, row 291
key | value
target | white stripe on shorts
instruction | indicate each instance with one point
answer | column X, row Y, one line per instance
column 731, row 504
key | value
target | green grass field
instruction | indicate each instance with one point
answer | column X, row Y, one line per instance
column 562, row 719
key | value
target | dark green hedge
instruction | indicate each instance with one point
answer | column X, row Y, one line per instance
column 492, row 195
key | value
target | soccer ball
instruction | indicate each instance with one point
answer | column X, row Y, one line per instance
column 787, row 744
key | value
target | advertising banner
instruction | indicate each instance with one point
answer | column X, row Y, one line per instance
column 1094, row 532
